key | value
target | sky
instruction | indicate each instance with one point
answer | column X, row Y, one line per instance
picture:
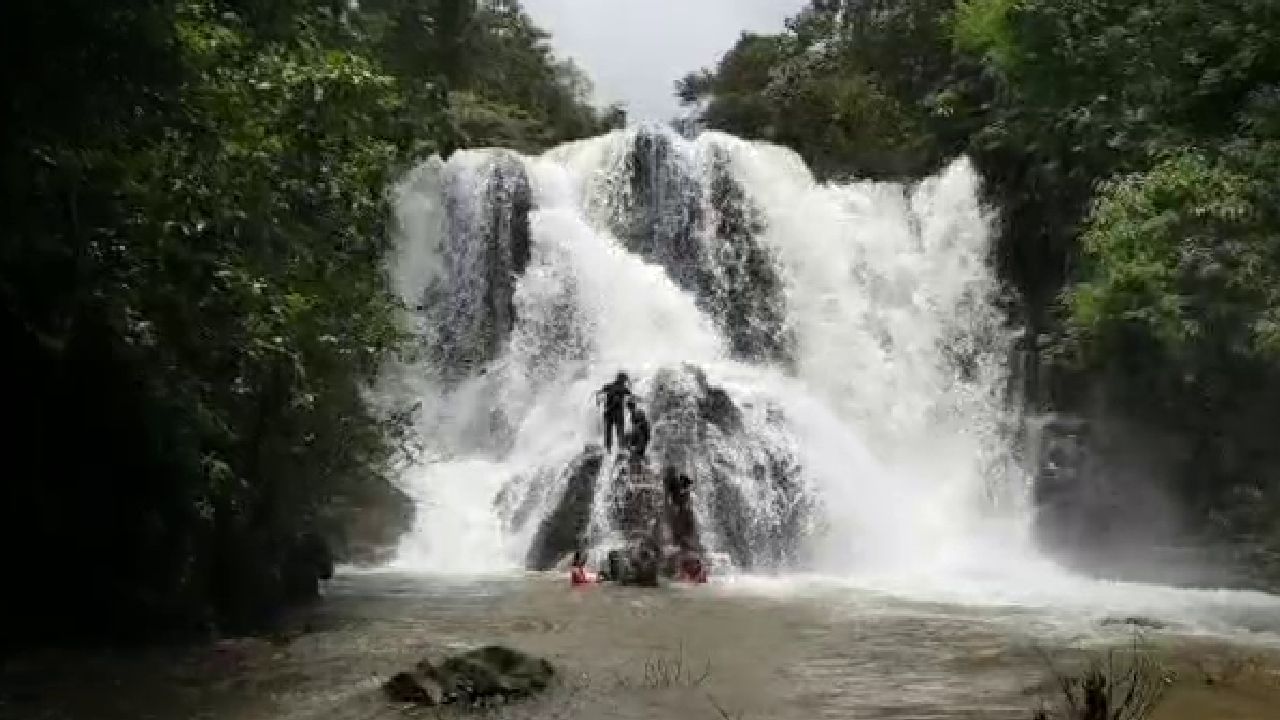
column 635, row 50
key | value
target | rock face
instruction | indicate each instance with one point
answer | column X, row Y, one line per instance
column 696, row 221
column 1099, row 488
column 752, row 500
column 747, row 501
column 657, row 210
column 487, row 248
column 564, row 529
column 1103, row 506
column 742, row 287
column 489, row 674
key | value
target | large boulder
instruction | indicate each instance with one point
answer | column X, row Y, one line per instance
column 494, row 673
column 749, row 495
column 748, row 498
column 564, row 529
column 692, row 217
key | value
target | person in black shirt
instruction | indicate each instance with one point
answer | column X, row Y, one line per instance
column 615, row 395
column 639, row 430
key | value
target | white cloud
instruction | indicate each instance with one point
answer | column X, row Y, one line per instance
column 635, row 50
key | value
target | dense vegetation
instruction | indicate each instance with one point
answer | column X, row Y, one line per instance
column 194, row 216
column 1133, row 147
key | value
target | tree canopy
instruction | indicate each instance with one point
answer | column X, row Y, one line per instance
column 196, row 221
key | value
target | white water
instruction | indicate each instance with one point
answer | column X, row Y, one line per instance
column 895, row 405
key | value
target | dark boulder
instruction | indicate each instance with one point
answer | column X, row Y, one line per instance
column 657, row 212
column 489, row 674
column 564, row 529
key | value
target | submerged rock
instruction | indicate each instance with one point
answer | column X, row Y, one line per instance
column 487, row 674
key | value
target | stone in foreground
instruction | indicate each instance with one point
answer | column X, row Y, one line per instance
column 489, row 674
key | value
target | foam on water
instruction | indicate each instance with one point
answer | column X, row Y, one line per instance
column 895, row 397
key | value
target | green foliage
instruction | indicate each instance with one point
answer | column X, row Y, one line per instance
column 1131, row 148
column 1181, row 262
column 196, row 223
column 982, row 27
column 822, row 100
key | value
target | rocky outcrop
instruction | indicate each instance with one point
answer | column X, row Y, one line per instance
column 705, row 231
column 753, row 500
column 742, row 287
column 656, row 209
column 748, row 498
column 564, row 529
column 492, row 674
column 486, row 249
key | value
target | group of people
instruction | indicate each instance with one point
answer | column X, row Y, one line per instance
column 640, row 563
column 618, row 400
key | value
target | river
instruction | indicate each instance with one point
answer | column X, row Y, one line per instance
column 740, row 648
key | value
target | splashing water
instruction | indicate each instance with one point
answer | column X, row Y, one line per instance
column 848, row 332
column 642, row 250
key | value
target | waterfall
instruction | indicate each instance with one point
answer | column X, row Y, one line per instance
column 827, row 361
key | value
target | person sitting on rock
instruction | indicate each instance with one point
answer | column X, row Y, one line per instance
column 639, row 435
column 579, row 574
column 614, row 395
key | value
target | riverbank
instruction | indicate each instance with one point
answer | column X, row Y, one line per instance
column 761, row 652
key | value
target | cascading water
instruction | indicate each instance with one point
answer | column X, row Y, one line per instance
column 825, row 360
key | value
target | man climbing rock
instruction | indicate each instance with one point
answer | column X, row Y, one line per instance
column 639, row 435
column 615, row 396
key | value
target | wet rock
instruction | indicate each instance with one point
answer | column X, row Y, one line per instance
column 698, row 223
column 486, row 249
column 414, row 687
column 487, row 674
column 564, row 529
column 638, row 502
column 657, row 211
column 753, row 505
column 743, row 289
column 638, row 564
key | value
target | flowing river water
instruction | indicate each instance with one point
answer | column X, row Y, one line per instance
column 830, row 362
column 742, row 648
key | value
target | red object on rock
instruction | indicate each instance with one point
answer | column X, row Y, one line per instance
column 580, row 576
column 692, row 570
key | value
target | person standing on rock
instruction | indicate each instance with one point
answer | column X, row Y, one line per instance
column 639, row 435
column 615, row 396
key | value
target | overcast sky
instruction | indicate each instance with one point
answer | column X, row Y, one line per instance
column 635, row 50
